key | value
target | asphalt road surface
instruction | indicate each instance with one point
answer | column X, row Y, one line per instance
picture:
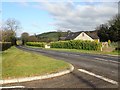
column 91, row 71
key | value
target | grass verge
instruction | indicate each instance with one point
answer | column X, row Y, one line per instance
column 82, row 51
column 88, row 51
column 18, row 63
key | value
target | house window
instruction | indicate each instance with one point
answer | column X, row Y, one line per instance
column 83, row 34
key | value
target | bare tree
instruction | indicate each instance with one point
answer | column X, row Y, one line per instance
column 12, row 24
column 9, row 29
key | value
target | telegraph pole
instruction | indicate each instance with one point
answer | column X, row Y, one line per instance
column 119, row 8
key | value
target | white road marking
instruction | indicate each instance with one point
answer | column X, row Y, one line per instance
column 109, row 56
column 106, row 60
column 98, row 76
column 12, row 87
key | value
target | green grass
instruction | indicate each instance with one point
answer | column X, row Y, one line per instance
column 50, row 36
column 18, row 63
column 88, row 51
column 82, row 51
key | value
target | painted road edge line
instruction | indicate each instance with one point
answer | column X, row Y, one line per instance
column 98, row 76
column 12, row 87
column 107, row 60
column 38, row 77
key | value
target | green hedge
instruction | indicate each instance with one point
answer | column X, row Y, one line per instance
column 38, row 44
column 77, row 44
column 5, row 45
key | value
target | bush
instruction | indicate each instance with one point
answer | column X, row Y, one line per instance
column 109, row 42
column 5, row 45
column 77, row 44
column 38, row 44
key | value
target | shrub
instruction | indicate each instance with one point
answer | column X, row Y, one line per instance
column 109, row 42
column 38, row 44
column 77, row 44
column 5, row 45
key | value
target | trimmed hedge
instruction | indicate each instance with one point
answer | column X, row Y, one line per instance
column 5, row 45
column 77, row 44
column 38, row 44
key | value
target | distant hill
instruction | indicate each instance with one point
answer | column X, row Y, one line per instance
column 54, row 36
column 50, row 36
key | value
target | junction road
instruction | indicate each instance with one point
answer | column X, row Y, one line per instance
column 91, row 71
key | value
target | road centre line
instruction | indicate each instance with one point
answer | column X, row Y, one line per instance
column 106, row 60
column 98, row 76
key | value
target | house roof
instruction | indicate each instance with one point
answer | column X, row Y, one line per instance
column 73, row 35
column 93, row 35
column 62, row 38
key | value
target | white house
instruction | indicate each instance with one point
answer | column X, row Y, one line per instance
column 82, row 36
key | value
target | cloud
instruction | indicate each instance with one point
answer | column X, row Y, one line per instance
column 36, row 25
column 79, row 16
column 24, row 3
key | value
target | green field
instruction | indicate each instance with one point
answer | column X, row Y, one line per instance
column 18, row 63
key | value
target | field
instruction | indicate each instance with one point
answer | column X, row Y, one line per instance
column 17, row 63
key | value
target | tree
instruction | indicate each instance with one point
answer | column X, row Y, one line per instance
column 68, row 32
column 24, row 37
column 0, row 35
column 114, row 29
column 12, row 24
column 8, row 35
column 110, row 31
column 9, row 29
column 103, row 32
column 59, row 34
column 32, row 39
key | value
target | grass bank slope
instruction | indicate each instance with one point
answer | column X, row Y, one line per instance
column 18, row 63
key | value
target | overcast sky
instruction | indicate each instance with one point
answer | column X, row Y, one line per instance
column 38, row 16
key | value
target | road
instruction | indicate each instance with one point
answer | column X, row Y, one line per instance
column 91, row 71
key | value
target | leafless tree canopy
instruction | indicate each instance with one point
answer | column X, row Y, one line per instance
column 11, row 24
column 9, row 29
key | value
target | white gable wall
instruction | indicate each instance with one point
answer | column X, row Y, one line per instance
column 83, row 36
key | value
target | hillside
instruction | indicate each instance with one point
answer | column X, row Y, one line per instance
column 50, row 36
column 54, row 36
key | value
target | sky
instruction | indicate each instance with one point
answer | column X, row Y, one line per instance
column 39, row 16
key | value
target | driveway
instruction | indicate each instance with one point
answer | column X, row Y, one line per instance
column 91, row 71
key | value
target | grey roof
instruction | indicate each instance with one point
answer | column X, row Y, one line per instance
column 62, row 38
column 73, row 35
column 92, row 35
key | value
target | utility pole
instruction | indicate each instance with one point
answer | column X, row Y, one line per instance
column 118, row 8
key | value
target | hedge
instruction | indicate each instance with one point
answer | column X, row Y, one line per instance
column 38, row 44
column 77, row 44
column 5, row 45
